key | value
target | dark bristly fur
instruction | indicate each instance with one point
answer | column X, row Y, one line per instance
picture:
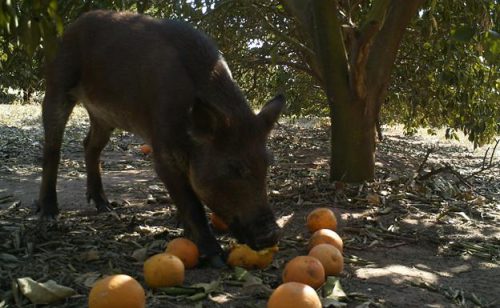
column 165, row 81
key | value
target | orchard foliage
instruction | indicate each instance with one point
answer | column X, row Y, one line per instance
column 446, row 73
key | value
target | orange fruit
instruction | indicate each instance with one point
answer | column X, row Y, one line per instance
column 326, row 236
column 304, row 269
column 117, row 291
column 163, row 270
column 330, row 257
column 321, row 218
column 265, row 256
column 294, row 294
column 185, row 250
column 246, row 257
column 218, row 223
column 146, row 149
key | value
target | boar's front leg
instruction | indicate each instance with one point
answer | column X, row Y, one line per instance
column 190, row 210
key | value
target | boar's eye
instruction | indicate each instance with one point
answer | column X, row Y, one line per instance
column 238, row 169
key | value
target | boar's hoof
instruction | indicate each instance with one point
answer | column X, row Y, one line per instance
column 217, row 261
column 103, row 207
column 101, row 202
column 46, row 212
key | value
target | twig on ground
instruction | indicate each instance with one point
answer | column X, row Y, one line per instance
column 447, row 168
column 424, row 161
column 432, row 173
column 459, row 176
column 486, row 166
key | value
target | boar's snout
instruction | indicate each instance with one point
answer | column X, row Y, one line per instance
column 267, row 239
column 261, row 233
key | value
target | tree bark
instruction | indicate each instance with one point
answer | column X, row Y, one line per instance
column 386, row 45
column 353, row 142
column 352, row 123
column 355, row 85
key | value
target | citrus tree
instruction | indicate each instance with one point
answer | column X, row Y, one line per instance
column 345, row 59
column 442, row 74
column 28, row 36
column 453, row 81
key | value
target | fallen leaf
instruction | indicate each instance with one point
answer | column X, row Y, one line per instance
column 208, row 287
column 373, row 198
column 43, row 293
column 8, row 258
column 330, row 302
column 88, row 279
column 333, row 289
column 140, row 254
column 91, row 255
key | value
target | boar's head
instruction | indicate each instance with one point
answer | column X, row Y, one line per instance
column 228, row 167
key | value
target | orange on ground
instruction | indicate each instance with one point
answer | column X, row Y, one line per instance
column 246, row 257
column 304, row 269
column 218, row 223
column 185, row 250
column 146, row 149
column 117, row 291
column 163, row 270
column 326, row 236
column 294, row 294
column 321, row 218
column 330, row 257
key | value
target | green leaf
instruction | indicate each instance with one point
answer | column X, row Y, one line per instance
column 35, row 35
column 59, row 25
column 26, row 39
column 52, row 6
column 241, row 274
column 180, row 291
column 333, row 289
column 492, row 44
column 208, row 287
column 49, row 39
column 3, row 18
column 197, row 296
column 463, row 33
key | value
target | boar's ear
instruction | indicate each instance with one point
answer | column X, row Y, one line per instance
column 271, row 111
column 205, row 120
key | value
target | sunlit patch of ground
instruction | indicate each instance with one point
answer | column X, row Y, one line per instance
column 432, row 243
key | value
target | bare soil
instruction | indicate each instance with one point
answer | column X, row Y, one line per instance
column 425, row 233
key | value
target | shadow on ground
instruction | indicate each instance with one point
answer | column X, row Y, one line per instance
column 434, row 243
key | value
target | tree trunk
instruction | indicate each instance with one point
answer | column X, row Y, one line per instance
column 353, row 142
column 355, row 77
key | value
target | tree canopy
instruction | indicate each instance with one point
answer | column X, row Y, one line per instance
column 445, row 75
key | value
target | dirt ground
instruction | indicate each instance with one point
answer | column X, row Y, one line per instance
column 425, row 233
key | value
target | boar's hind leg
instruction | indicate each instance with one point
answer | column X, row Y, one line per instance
column 96, row 140
column 190, row 211
column 56, row 108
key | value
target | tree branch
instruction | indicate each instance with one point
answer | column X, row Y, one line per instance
column 330, row 50
column 376, row 14
column 386, row 44
column 300, row 9
column 294, row 65
column 360, row 50
column 292, row 41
